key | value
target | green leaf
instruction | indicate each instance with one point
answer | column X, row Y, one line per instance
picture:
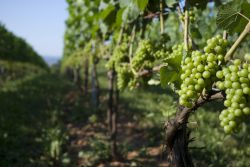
column 195, row 33
column 167, row 75
column 119, row 17
column 105, row 13
column 175, row 62
column 141, row 4
column 124, row 3
column 233, row 16
column 130, row 13
column 171, row 3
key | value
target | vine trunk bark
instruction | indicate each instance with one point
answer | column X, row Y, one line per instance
column 86, row 76
column 113, row 96
column 95, row 85
column 177, row 134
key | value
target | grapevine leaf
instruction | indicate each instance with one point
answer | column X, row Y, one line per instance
column 124, row 3
column 195, row 33
column 106, row 12
column 233, row 16
column 119, row 17
column 171, row 3
column 175, row 62
column 141, row 4
column 167, row 75
column 130, row 13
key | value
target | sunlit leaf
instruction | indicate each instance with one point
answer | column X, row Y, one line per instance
column 124, row 3
column 130, row 13
column 167, row 75
column 141, row 4
column 233, row 16
column 107, row 11
column 195, row 32
column 119, row 17
column 171, row 3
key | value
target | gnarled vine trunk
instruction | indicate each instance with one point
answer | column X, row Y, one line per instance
column 86, row 76
column 95, row 85
column 177, row 134
column 177, row 140
column 113, row 98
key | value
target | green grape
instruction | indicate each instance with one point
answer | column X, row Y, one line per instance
column 237, row 85
column 124, row 75
column 247, row 57
column 219, row 74
column 144, row 56
column 120, row 61
column 216, row 45
column 198, row 71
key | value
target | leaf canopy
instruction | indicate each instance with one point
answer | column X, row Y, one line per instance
column 233, row 16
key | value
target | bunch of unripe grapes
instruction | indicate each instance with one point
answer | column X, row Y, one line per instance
column 177, row 50
column 120, row 55
column 161, row 54
column 124, row 76
column 235, row 80
column 199, row 70
column 144, row 55
column 191, row 16
column 216, row 45
column 198, row 73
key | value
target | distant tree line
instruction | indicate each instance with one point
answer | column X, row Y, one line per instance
column 13, row 48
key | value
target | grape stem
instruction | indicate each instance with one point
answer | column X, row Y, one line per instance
column 131, row 49
column 186, row 23
column 161, row 16
column 148, row 72
column 225, row 34
column 194, row 46
column 244, row 33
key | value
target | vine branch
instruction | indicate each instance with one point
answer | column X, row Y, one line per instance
column 243, row 16
column 244, row 33
column 172, row 126
column 194, row 46
column 149, row 71
column 186, row 23
column 161, row 16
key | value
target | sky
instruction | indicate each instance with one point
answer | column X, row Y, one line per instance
column 40, row 22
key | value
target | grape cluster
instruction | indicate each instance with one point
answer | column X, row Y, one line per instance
column 198, row 73
column 144, row 55
column 235, row 80
column 161, row 54
column 120, row 55
column 191, row 16
column 177, row 50
column 216, row 45
column 124, row 76
column 120, row 61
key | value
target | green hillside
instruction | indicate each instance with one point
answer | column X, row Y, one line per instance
column 14, row 48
